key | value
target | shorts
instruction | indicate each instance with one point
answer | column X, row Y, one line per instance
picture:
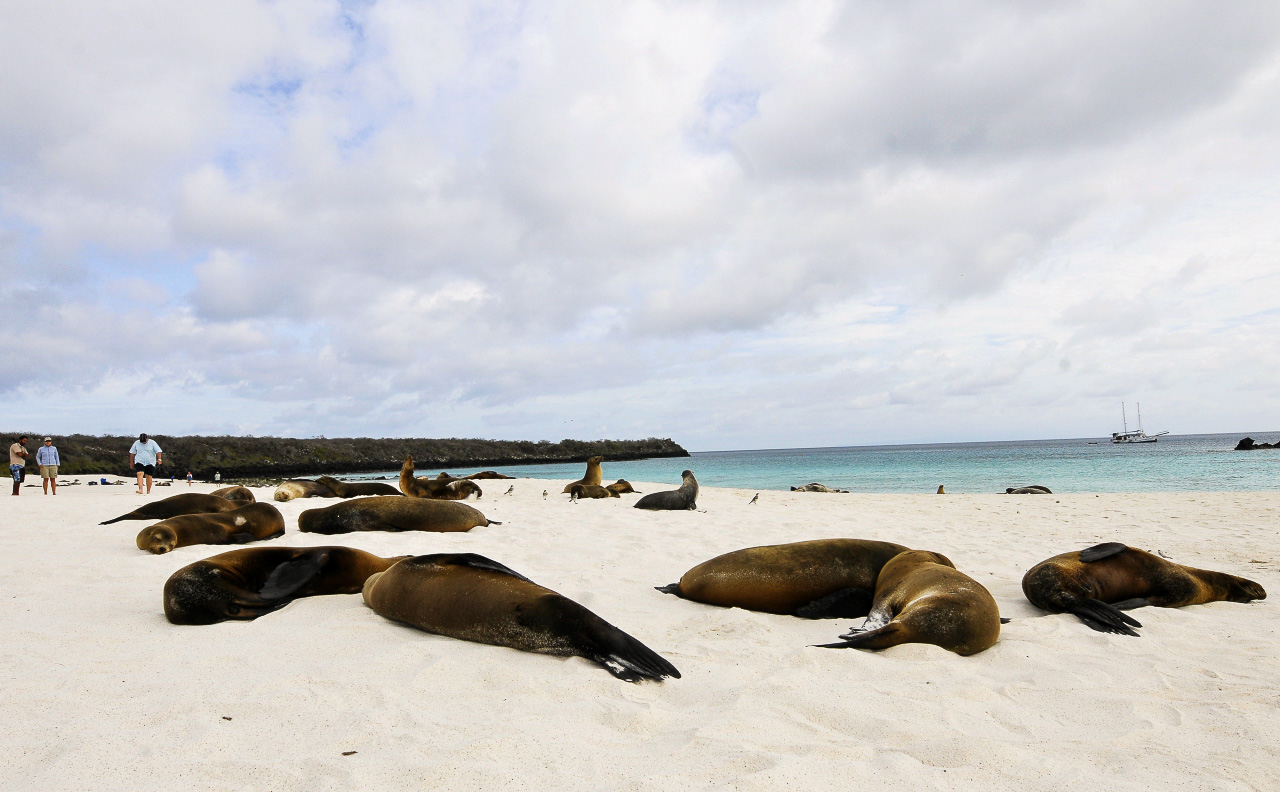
column 150, row 470
column 19, row 472
column 48, row 471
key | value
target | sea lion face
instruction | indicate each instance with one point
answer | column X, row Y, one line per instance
column 158, row 539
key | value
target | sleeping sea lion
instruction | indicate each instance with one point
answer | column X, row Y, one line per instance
column 620, row 486
column 387, row 513
column 302, row 488
column 819, row 579
column 174, row 505
column 577, row 491
column 685, row 498
column 241, row 494
column 922, row 598
column 594, row 474
column 249, row 523
column 487, row 474
column 245, row 584
column 444, row 487
column 1034, row 489
column 473, row 598
column 1098, row 583
column 352, row 489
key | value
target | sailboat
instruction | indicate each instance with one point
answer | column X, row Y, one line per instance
column 1137, row 435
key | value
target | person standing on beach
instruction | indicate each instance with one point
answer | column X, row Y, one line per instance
column 47, row 459
column 18, row 462
column 144, row 456
column 188, row 478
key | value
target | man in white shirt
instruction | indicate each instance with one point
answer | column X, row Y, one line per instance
column 144, row 456
column 47, row 459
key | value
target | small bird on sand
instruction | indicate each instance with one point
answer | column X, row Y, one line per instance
column 754, row 499
column 510, row 490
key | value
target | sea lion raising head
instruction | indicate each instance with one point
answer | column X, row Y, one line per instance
column 594, row 473
column 445, row 487
column 685, row 498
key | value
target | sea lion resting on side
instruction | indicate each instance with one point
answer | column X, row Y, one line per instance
column 590, row 491
column 236, row 493
column 620, row 486
column 819, row 579
column 302, row 488
column 441, row 488
column 1098, row 583
column 174, row 505
column 685, row 498
column 487, row 474
column 816, row 487
column 922, row 598
column 245, row 584
column 352, row 489
column 386, row 513
column 473, row 598
column 249, row 523
column 1034, row 489
column 594, row 473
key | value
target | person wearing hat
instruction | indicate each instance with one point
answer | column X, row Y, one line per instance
column 18, row 462
column 47, row 459
column 144, row 456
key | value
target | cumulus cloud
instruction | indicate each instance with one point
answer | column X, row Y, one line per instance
column 742, row 225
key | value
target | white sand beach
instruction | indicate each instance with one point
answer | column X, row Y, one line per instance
column 101, row 692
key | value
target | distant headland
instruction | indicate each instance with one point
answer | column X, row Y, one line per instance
column 240, row 457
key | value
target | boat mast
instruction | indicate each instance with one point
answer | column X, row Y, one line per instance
column 1139, row 416
column 1124, row 419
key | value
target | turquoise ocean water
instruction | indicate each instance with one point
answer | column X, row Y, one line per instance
column 1203, row 463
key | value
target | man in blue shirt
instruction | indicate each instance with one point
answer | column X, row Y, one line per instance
column 47, row 459
column 144, row 456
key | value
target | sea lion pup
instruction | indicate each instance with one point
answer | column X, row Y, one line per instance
column 352, row 489
column 444, row 487
column 577, row 491
column 922, row 598
column 174, row 505
column 594, row 474
column 241, row 494
column 620, row 486
column 819, row 579
column 245, row 584
column 249, row 523
column 473, row 598
column 1034, row 489
column 302, row 488
column 1099, row 582
column 685, row 498
column 388, row 513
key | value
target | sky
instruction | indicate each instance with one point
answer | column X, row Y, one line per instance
column 736, row 224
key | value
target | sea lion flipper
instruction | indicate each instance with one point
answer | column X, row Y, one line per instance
column 291, row 576
column 240, row 538
column 1101, row 551
column 480, row 562
column 1131, row 604
column 114, row 520
column 879, row 638
column 670, row 588
column 1103, row 617
column 846, row 603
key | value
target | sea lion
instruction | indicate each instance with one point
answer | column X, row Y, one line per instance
column 444, row 487
column 352, row 489
column 241, row 494
column 174, row 505
column 594, row 474
column 487, row 474
column 922, row 598
column 577, row 491
column 818, row 579
column 816, row 487
column 245, row 584
column 685, row 498
column 942, row 489
column 387, row 513
column 1099, row 582
column 1034, row 489
column 301, row 488
column 620, row 486
column 249, row 523
column 473, row 598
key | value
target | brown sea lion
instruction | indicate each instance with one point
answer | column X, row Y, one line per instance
column 352, row 489
column 594, row 473
column 439, row 488
column 685, row 498
column 819, row 579
column 922, row 598
column 591, row 491
column 249, row 523
column 240, row 494
column 473, row 598
column 174, row 505
column 1034, row 489
column 387, row 513
column 621, row 486
column 1100, row 582
column 302, row 488
column 487, row 474
column 245, row 584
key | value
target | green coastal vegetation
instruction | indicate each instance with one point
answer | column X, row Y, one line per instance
column 281, row 457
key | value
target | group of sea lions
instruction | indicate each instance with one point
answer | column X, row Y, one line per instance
column 904, row 595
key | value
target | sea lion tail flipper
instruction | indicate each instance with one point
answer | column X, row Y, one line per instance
column 291, row 576
column 891, row 634
column 1101, row 551
column 670, row 588
column 491, row 522
column 114, row 519
column 1003, row 620
column 625, row 657
column 1131, row 604
column 846, row 603
column 1102, row 617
